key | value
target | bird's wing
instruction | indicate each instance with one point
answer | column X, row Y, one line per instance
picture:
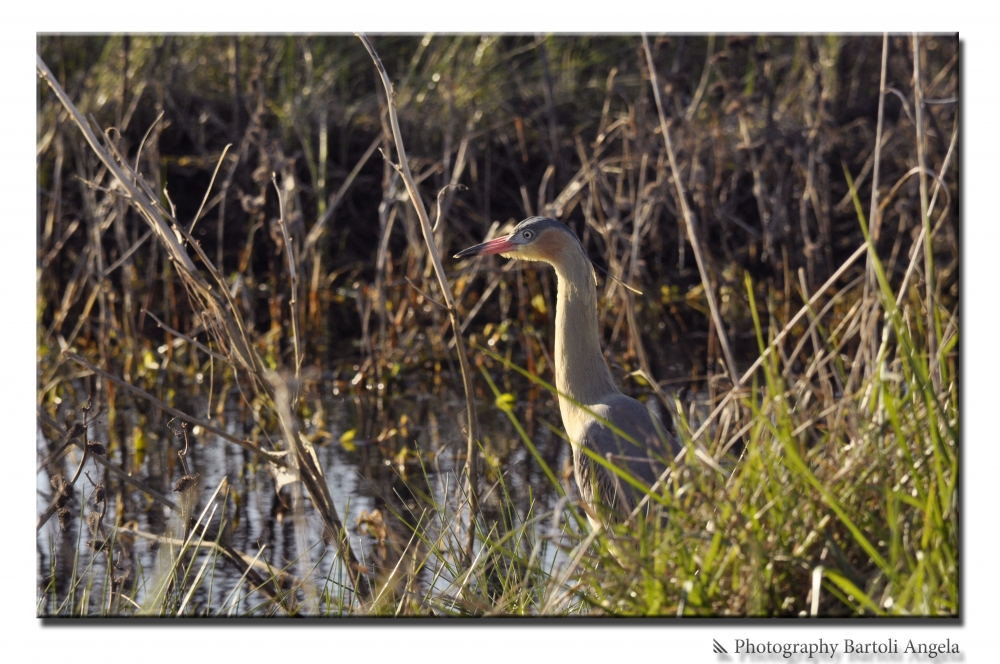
column 645, row 461
column 654, row 440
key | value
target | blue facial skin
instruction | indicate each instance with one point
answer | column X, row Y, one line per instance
column 524, row 233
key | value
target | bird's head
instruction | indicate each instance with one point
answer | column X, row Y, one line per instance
column 534, row 239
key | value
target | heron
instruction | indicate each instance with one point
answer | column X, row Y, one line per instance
column 588, row 396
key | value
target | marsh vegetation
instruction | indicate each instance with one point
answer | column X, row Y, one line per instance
column 259, row 394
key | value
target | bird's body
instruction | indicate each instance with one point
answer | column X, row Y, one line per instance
column 588, row 398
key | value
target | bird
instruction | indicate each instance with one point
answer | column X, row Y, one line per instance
column 583, row 379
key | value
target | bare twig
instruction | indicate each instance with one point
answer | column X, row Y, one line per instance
column 86, row 441
column 208, row 190
column 689, row 218
column 878, row 146
column 207, row 426
column 437, row 219
column 312, row 477
column 142, row 143
column 60, row 243
column 292, row 274
column 703, row 83
column 180, row 335
column 425, row 295
column 118, row 263
column 874, row 217
column 317, row 229
column 428, row 233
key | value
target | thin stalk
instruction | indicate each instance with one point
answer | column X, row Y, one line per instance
column 211, row 182
column 932, row 328
column 872, row 210
column 181, row 415
column 689, row 218
column 703, row 83
column 435, row 256
column 317, row 229
column 292, row 276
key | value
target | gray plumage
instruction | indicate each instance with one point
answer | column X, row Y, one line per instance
column 600, row 485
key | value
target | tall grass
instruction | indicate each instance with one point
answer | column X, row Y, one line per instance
column 821, row 482
column 828, row 504
column 824, row 506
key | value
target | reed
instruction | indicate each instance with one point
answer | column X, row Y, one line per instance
column 208, row 251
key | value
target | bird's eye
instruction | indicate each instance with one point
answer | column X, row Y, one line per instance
column 527, row 235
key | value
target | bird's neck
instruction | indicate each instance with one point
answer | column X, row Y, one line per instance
column 581, row 370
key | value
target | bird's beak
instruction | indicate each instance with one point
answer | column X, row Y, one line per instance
column 500, row 245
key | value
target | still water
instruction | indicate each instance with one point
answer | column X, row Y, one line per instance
column 389, row 465
column 378, row 472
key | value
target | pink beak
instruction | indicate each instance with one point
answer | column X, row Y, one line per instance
column 499, row 245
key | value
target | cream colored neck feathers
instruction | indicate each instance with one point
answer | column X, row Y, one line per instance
column 582, row 373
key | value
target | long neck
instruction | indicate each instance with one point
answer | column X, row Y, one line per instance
column 581, row 371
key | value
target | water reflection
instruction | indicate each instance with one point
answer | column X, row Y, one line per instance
column 392, row 467
column 382, row 484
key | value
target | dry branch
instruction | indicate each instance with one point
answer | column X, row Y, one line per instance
column 217, row 310
column 311, row 474
column 435, row 256
column 689, row 218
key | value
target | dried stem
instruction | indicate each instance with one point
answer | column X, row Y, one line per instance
column 749, row 372
column 311, row 476
column 208, row 190
column 932, row 327
column 292, row 274
column 317, row 229
column 471, row 465
column 207, row 426
column 874, row 218
column 689, row 222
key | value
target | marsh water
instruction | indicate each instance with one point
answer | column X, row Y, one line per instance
column 384, row 463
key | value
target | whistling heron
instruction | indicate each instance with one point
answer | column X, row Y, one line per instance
column 583, row 379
